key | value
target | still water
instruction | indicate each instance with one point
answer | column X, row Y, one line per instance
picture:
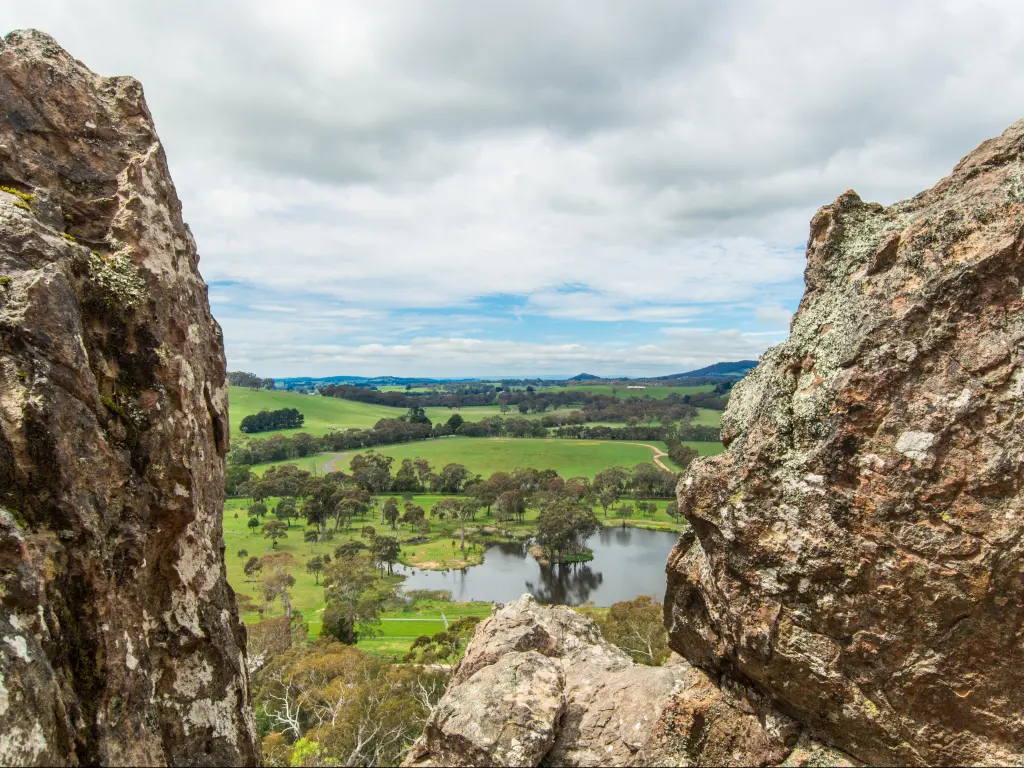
column 628, row 562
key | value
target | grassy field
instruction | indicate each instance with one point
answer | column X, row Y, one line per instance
column 571, row 458
column 706, row 417
column 323, row 414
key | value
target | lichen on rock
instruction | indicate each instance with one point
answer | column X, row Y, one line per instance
column 854, row 555
column 120, row 641
column 540, row 686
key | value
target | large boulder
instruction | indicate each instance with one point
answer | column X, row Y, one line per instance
column 119, row 638
column 539, row 685
column 856, row 553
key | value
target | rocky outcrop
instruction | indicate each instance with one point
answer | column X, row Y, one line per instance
column 856, row 554
column 540, row 685
column 119, row 638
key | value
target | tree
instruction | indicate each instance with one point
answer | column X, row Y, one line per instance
column 259, row 509
column 461, row 510
column 385, row 550
column 682, row 455
column 243, row 553
column 371, row 471
column 406, row 480
column 252, row 569
column 266, row 421
column 277, row 585
column 254, row 523
column 285, row 510
column 311, row 537
column 367, row 532
column 672, row 510
column 416, row 415
column 354, row 595
column 315, row 566
column 638, row 627
column 511, row 505
column 454, row 422
column 485, row 493
column 607, row 497
column 563, row 527
column 390, row 513
column 274, row 530
column 414, row 514
column 237, row 475
column 349, row 549
column 452, row 478
column 330, row 704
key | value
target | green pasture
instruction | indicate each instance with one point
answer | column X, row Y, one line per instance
column 707, row 417
column 323, row 414
column 483, row 455
column 571, row 458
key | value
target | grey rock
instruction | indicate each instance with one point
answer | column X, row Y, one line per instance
column 539, row 685
column 120, row 642
column 855, row 555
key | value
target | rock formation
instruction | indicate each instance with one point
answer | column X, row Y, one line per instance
column 119, row 638
column 854, row 567
column 856, row 554
column 541, row 684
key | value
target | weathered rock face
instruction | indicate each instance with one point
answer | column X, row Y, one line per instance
column 119, row 638
column 856, row 554
column 541, row 685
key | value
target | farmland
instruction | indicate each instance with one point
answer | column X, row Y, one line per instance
column 323, row 414
column 571, row 458
column 307, row 595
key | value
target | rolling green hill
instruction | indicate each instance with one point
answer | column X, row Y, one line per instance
column 323, row 414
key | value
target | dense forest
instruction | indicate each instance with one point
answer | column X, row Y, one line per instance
column 594, row 407
column 266, row 421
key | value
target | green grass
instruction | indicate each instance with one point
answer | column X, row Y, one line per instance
column 477, row 412
column 707, row 417
column 323, row 414
column 571, row 458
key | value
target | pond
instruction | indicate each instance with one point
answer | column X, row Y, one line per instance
column 628, row 562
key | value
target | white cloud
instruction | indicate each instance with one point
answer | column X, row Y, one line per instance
column 774, row 316
column 363, row 158
column 670, row 352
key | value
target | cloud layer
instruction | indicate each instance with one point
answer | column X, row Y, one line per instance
column 452, row 188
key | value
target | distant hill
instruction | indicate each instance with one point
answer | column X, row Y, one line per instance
column 585, row 377
column 734, row 370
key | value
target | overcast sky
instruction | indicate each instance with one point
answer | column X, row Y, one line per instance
column 535, row 188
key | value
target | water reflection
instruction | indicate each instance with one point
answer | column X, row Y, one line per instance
column 565, row 584
column 627, row 562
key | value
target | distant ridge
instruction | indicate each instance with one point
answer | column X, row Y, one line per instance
column 585, row 377
column 736, row 370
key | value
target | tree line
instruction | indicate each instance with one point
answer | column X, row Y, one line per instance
column 250, row 380
column 266, row 421
column 589, row 406
column 396, row 431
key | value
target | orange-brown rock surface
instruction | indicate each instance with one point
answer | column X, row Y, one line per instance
column 119, row 637
column 540, row 686
column 856, row 554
